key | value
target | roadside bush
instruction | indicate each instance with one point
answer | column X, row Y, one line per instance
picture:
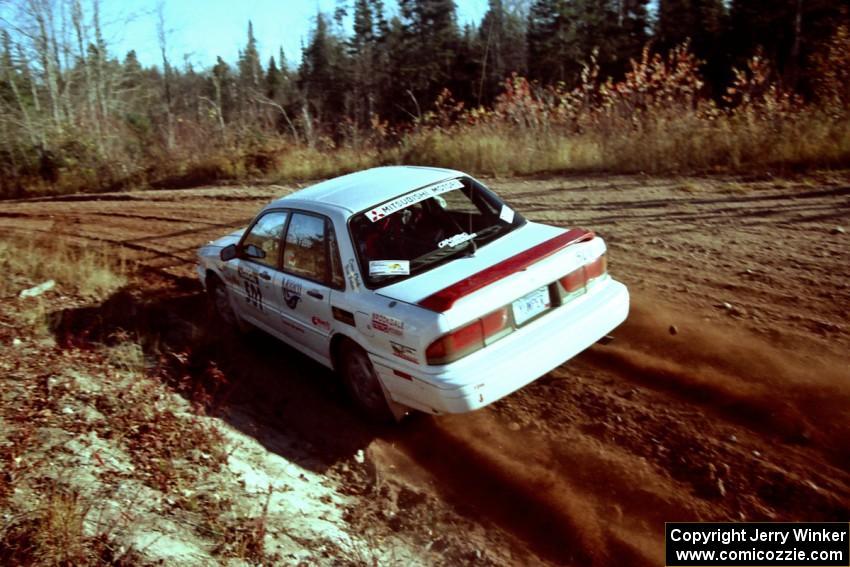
column 654, row 120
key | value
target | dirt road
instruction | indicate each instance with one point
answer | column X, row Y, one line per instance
column 725, row 396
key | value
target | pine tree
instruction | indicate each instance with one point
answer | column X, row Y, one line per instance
column 7, row 70
column 131, row 73
column 222, row 83
column 10, row 78
column 787, row 32
column 632, row 23
column 364, row 28
column 363, row 50
column 381, row 25
column 430, row 39
column 501, row 38
column 322, row 74
column 550, row 41
column 594, row 30
column 385, row 60
column 700, row 21
column 250, row 70
column 675, row 23
column 131, row 63
column 273, row 79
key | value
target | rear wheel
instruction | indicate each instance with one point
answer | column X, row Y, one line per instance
column 363, row 384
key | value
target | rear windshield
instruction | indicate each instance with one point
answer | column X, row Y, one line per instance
column 422, row 229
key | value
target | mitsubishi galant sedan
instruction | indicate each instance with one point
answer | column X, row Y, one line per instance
column 418, row 285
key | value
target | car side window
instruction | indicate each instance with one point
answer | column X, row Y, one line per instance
column 304, row 251
column 262, row 243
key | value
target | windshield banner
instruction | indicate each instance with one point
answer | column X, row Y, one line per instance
column 404, row 201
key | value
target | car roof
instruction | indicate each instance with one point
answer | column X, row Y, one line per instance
column 357, row 191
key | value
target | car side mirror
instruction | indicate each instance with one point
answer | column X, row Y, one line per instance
column 228, row 253
column 252, row 251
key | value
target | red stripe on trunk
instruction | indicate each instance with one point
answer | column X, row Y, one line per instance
column 446, row 297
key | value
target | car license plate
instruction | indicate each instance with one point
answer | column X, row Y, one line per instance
column 531, row 305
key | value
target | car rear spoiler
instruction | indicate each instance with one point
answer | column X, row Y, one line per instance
column 443, row 300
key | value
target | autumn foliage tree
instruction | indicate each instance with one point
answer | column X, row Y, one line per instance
column 371, row 78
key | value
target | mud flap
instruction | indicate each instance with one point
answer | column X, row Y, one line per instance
column 398, row 410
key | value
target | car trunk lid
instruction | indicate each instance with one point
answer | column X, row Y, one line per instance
column 510, row 267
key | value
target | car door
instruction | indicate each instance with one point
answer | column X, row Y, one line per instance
column 257, row 270
column 311, row 270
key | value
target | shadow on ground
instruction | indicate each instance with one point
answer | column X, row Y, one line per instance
column 289, row 403
column 299, row 410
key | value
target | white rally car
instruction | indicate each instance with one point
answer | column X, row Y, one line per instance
column 418, row 285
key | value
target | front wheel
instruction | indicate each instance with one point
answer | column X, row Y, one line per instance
column 363, row 384
column 220, row 308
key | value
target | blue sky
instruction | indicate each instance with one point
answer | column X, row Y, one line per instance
column 203, row 29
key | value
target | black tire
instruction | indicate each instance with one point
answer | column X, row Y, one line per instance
column 363, row 384
column 219, row 307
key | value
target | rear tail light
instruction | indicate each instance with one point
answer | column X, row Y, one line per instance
column 469, row 338
column 574, row 281
column 579, row 278
column 495, row 324
column 597, row 268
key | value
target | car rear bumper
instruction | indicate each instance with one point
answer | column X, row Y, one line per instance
column 512, row 362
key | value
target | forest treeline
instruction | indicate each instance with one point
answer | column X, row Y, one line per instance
column 536, row 85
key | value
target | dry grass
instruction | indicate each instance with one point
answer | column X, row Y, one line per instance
column 92, row 272
column 299, row 163
column 64, row 529
column 86, row 274
column 730, row 143
column 666, row 144
column 502, row 151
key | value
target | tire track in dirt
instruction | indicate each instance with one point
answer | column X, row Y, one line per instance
column 113, row 214
column 798, row 397
column 154, row 253
column 576, row 497
column 570, row 501
column 170, row 251
column 712, row 422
